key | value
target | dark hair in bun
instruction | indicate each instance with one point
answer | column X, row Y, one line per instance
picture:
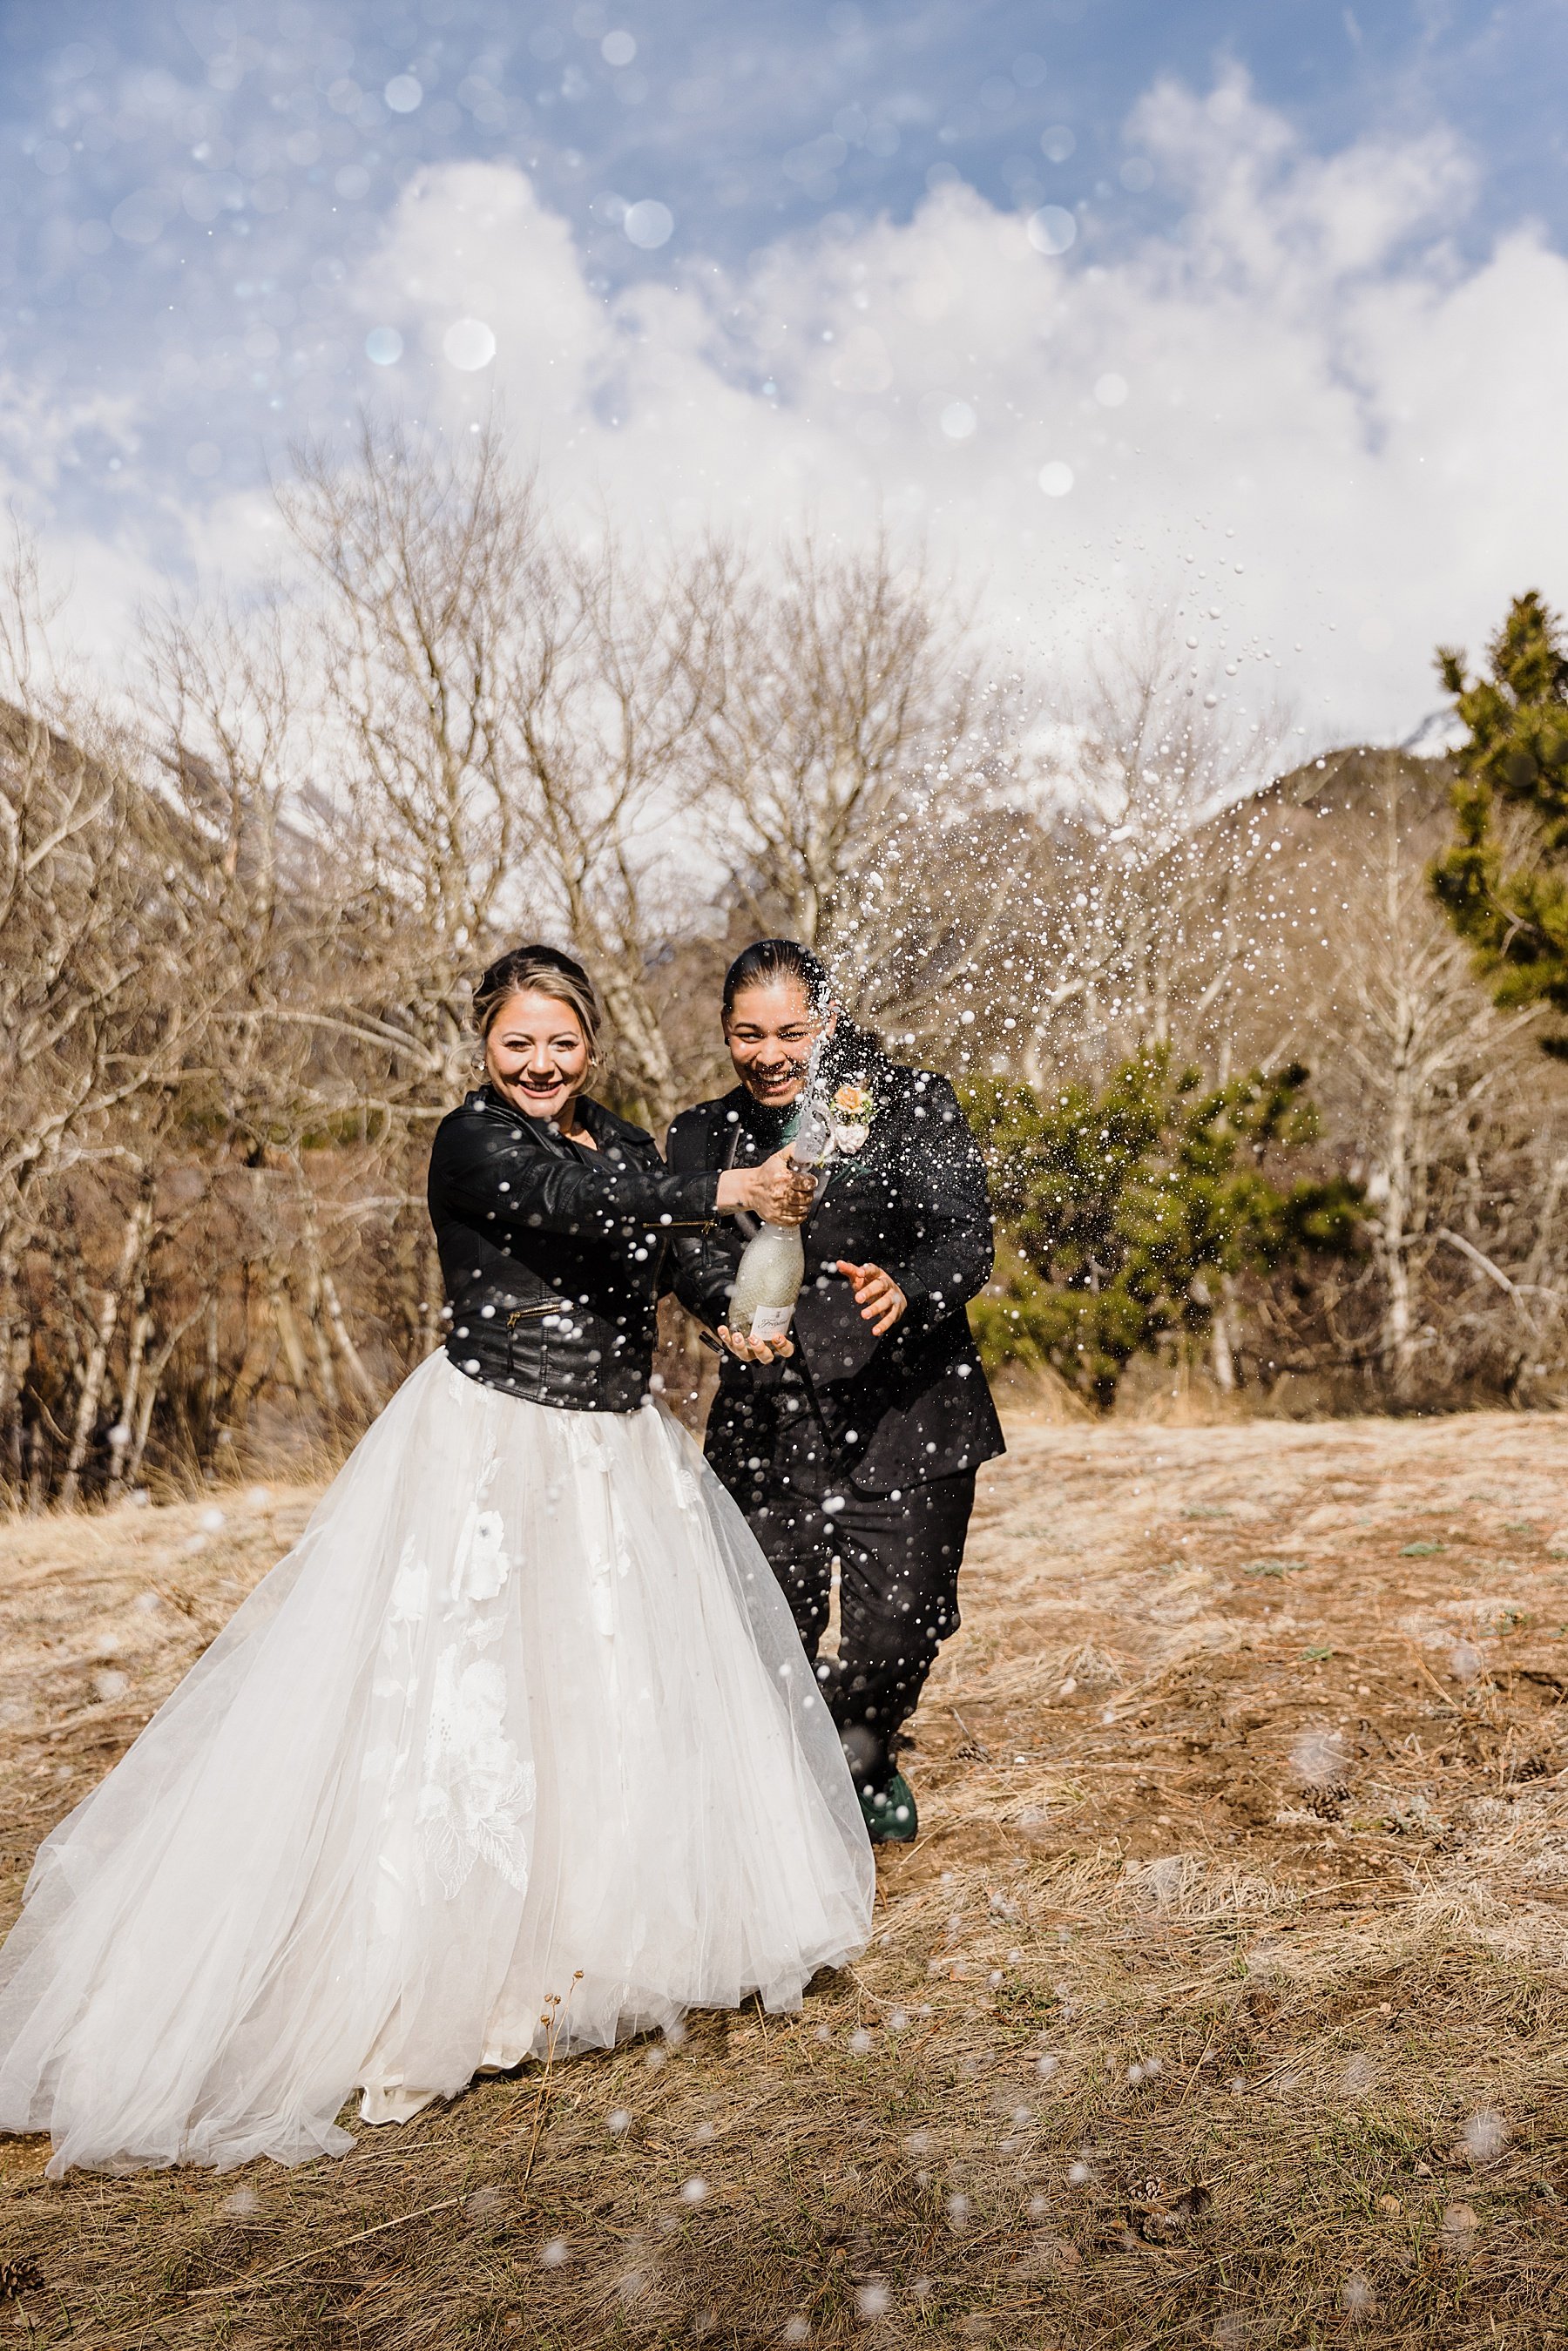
column 773, row 960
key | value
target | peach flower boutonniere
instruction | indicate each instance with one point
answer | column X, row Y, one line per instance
column 852, row 1109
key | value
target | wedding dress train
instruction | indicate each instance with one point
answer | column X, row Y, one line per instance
column 521, row 1720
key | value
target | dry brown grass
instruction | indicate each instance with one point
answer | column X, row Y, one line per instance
column 1220, row 2003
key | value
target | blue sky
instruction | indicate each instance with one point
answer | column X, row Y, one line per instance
column 203, row 204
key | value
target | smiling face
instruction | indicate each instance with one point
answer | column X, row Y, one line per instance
column 537, row 1056
column 770, row 1032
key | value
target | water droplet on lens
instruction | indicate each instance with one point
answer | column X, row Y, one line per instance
column 648, row 224
column 469, row 344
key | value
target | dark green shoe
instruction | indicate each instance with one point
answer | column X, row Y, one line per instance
column 889, row 1813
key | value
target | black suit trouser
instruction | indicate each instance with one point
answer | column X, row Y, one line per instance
column 898, row 1563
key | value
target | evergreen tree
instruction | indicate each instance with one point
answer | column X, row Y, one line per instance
column 1513, row 907
column 1113, row 1207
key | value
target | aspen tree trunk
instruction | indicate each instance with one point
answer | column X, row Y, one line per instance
column 315, row 1299
column 1230, row 1320
column 1399, row 1151
column 38, row 1474
column 431, row 1290
column 95, row 1371
column 328, row 1375
column 1221, row 1354
column 124, row 1428
column 151, row 1389
column 210, row 1385
column 287, row 1326
column 256, row 1366
column 16, row 1354
column 338, row 1323
column 643, row 1046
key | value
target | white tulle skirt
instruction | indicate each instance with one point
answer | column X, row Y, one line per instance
column 518, row 1739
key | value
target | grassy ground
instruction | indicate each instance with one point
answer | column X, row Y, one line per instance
column 1220, row 2003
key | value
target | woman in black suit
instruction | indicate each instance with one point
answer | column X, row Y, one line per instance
column 859, row 1440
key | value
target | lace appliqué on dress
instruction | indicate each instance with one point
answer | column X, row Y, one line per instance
column 410, row 1591
column 477, row 1793
column 482, row 1565
column 406, row 1612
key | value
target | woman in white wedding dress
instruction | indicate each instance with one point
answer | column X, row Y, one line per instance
column 520, row 1730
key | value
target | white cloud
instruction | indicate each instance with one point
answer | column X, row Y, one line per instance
column 469, row 246
column 1298, row 383
column 1306, row 365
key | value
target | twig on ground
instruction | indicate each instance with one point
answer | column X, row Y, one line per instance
column 1423, row 1668
column 1203, row 2061
column 981, row 1750
column 250, row 2284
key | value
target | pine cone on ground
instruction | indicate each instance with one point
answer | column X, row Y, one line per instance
column 18, row 2278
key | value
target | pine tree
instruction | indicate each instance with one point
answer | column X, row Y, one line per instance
column 1512, row 907
column 1114, row 1206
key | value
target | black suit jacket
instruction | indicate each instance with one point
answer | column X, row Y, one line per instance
column 898, row 1411
column 553, row 1256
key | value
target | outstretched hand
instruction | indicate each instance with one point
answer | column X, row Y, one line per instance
column 880, row 1302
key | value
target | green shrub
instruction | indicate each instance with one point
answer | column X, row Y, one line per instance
column 1114, row 1207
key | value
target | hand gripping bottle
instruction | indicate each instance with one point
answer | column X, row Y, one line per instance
column 773, row 1263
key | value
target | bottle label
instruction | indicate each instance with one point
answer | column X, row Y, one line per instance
column 771, row 1322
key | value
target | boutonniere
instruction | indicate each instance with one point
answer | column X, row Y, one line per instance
column 852, row 1111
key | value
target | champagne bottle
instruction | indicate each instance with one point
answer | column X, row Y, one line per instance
column 773, row 1263
column 767, row 1282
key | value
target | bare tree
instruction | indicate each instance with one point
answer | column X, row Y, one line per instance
column 610, row 689
column 98, row 1018
column 1133, row 920
column 855, row 769
column 426, row 564
column 242, row 928
column 512, row 716
column 1431, row 1066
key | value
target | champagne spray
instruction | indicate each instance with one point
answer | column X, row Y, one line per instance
column 773, row 1263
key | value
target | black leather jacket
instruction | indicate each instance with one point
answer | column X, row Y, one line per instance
column 553, row 1255
column 895, row 1412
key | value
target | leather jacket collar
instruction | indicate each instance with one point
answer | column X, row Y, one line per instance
column 601, row 1124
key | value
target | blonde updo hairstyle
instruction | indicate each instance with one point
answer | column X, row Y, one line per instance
column 537, row 970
